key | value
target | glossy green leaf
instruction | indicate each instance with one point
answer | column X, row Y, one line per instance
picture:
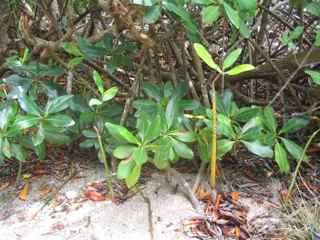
column 58, row 104
column 246, row 113
column 26, row 121
column 29, row 106
column 314, row 8
column 172, row 111
column 231, row 58
column 185, row 136
column 269, row 119
column 152, row 15
column 281, row 158
column 72, row 49
column 6, row 148
column 88, row 143
column 294, row 124
column 123, row 151
column 182, row 150
column 60, row 120
column 210, row 14
column 294, row 149
column 89, row 134
column 94, row 102
column 223, row 147
column 224, row 126
column 140, row 156
column 206, row 56
column 99, row 82
column 18, row 152
column 133, row 177
column 57, row 138
column 109, row 94
column 257, row 148
column 240, row 69
column 232, row 14
column 152, row 90
column 121, row 133
column 154, row 129
column 39, row 137
column 315, row 75
column 125, row 168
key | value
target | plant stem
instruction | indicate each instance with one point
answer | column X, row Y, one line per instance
column 19, row 174
column 299, row 164
column 105, row 163
column 213, row 174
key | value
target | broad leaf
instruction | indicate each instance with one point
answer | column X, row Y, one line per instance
column 58, row 104
column 27, row 121
column 281, row 158
column 125, row 168
column 29, row 106
column 18, row 152
column 133, row 177
column 294, row 149
column 140, row 156
column 99, row 82
column 232, row 14
column 109, row 94
column 206, row 56
column 60, row 120
column 210, row 14
column 240, row 69
column 224, row 146
column 269, row 119
column 315, row 75
column 123, row 151
column 152, row 15
column 257, row 148
column 181, row 149
column 294, row 124
column 121, row 133
column 231, row 58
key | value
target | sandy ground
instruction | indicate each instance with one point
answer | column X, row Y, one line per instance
column 69, row 217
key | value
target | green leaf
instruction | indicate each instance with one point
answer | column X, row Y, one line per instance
column 29, row 106
column 27, row 121
column 89, row 134
column 240, row 69
column 231, row 58
column 269, row 119
column 224, row 146
column 294, row 124
column 246, row 113
column 55, row 137
column 295, row 150
column 251, row 130
column 296, row 33
column 99, row 82
column 72, row 49
column 232, row 14
column 317, row 41
column 206, row 57
column 125, row 168
column 18, row 152
column 152, row 90
column 315, row 75
column 7, row 114
column 6, row 148
column 88, row 143
column 154, row 129
column 314, row 8
column 134, row 176
column 140, row 156
column 39, row 137
column 281, row 158
column 152, row 15
column 181, row 149
column 123, row 151
column 210, row 14
column 60, row 120
column 224, row 126
column 94, row 102
column 244, row 30
column 161, row 158
column 58, row 104
column 257, row 148
column 188, row 136
column 109, row 94
column 148, row 3
column 172, row 111
column 121, row 133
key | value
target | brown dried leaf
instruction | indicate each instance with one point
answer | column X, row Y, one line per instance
column 23, row 195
